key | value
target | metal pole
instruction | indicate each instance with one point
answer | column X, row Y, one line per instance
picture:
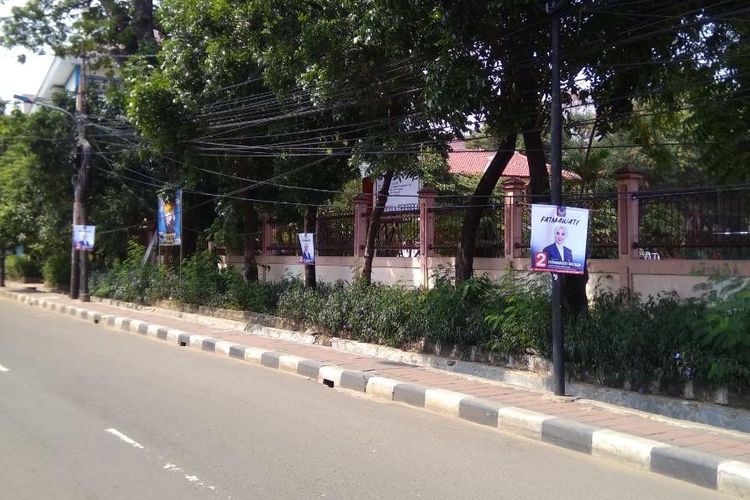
column 558, row 335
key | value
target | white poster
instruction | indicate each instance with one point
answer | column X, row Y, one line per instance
column 558, row 239
column 307, row 243
column 83, row 237
column 403, row 193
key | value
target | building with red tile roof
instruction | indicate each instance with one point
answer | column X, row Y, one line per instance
column 475, row 161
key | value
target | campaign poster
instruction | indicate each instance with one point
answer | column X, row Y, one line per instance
column 558, row 239
column 83, row 237
column 169, row 218
column 307, row 243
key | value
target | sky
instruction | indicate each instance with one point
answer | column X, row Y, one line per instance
column 17, row 78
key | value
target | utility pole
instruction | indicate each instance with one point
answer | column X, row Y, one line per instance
column 79, row 260
column 553, row 7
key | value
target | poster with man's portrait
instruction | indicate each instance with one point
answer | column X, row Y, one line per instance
column 558, row 238
column 169, row 218
column 307, row 244
column 83, row 237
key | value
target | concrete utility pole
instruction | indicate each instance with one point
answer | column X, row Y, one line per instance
column 553, row 8
column 80, row 192
column 79, row 264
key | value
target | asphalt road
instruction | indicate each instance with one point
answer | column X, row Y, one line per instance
column 88, row 412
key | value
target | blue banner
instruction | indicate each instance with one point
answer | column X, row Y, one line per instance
column 169, row 218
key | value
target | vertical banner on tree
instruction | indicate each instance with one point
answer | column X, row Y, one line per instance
column 169, row 218
column 558, row 239
column 83, row 237
column 307, row 243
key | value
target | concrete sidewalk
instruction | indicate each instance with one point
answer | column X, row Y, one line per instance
column 704, row 455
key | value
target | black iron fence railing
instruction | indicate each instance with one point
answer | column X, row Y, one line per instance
column 695, row 224
column 335, row 233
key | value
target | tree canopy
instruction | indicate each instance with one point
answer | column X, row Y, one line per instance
column 268, row 108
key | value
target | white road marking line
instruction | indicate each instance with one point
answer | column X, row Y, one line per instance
column 193, row 479
column 124, row 438
column 3, row 369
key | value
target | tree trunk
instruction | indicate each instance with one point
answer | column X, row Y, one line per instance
column 250, row 225
column 311, row 214
column 374, row 226
column 143, row 25
column 538, row 175
column 2, row 266
column 473, row 214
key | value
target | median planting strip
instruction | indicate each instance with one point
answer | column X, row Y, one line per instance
column 660, row 457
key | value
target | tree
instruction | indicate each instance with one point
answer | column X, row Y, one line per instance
column 489, row 60
column 35, row 161
column 71, row 27
column 359, row 70
column 233, row 130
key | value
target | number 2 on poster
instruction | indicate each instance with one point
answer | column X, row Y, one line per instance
column 540, row 259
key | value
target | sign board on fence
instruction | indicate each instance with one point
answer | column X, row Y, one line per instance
column 307, row 243
column 403, row 193
column 169, row 218
column 83, row 237
column 558, row 239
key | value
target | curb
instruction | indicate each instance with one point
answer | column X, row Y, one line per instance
column 702, row 469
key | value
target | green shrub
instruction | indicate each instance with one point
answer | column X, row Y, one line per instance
column 522, row 320
column 657, row 344
column 661, row 343
column 56, row 271
column 723, row 333
column 201, row 281
column 455, row 314
column 254, row 296
column 133, row 281
column 19, row 267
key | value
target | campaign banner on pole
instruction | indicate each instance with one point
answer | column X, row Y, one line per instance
column 169, row 218
column 83, row 237
column 307, row 243
column 558, row 238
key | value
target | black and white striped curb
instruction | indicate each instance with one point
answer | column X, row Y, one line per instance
column 695, row 467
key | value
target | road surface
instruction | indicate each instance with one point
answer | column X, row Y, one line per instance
column 89, row 412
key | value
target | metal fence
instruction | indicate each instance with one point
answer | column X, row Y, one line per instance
column 284, row 239
column 398, row 234
column 602, row 235
column 696, row 224
column 699, row 224
column 335, row 233
column 449, row 222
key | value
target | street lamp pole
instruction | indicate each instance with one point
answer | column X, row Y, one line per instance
column 79, row 260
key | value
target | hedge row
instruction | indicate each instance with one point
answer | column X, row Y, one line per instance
column 653, row 345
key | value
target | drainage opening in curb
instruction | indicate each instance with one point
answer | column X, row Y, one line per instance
column 328, row 383
column 183, row 344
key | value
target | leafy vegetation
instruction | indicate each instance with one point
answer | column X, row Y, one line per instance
column 20, row 267
column 56, row 271
column 654, row 345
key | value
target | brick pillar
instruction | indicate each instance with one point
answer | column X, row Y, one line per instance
column 266, row 240
column 627, row 211
column 515, row 190
column 426, row 232
column 361, row 203
column 627, row 221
